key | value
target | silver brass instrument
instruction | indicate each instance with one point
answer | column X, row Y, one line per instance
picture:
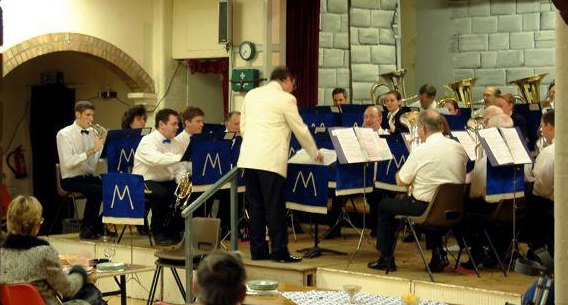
column 463, row 92
column 183, row 190
column 529, row 88
column 99, row 130
column 410, row 120
column 409, row 100
column 392, row 81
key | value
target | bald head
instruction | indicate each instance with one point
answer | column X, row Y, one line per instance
column 491, row 111
column 489, row 95
column 373, row 117
column 500, row 120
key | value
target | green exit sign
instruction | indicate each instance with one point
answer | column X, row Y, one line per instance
column 244, row 79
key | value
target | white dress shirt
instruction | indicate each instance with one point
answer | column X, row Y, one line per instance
column 543, row 173
column 418, row 105
column 478, row 176
column 437, row 161
column 157, row 160
column 72, row 147
column 268, row 116
column 185, row 138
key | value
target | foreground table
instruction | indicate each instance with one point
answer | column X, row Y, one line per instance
column 277, row 299
column 120, row 278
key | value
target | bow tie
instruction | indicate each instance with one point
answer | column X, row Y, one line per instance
column 84, row 131
column 166, row 141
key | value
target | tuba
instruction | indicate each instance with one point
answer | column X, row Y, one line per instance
column 529, row 88
column 410, row 120
column 393, row 81
column 99, row 130
column 463, row 92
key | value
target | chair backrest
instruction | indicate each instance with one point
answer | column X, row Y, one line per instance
column 206, row 233
column 60, row 190
column 447, row 208
column 18, row 294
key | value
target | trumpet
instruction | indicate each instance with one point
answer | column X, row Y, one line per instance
column 99, row 130
column 183, row 190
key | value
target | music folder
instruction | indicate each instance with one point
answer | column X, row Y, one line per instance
column 359, row 145
column 504, row 146
column 121, row 134
column 204, row 138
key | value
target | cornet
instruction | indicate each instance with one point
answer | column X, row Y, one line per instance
column 99, row 130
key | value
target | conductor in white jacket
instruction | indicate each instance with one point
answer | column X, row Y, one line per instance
column 269, row 115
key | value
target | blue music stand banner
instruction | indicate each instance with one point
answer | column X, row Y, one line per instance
column 120, row 147
column 504, row 182
column 352, row 119
column 349, row 180
column 235, row 152
column 386, row 170
column 210, row 161
column 456, row 122
column 532, row 114
column 123, row 199
column 307, row 187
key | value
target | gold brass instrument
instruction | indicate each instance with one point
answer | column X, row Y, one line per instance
column 410, row 120
column 183, row 190
column 529, row 88
column 392, row 81
column 99, row 130
column 463, row 92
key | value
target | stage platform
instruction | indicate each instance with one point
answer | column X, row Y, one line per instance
column 327, row 271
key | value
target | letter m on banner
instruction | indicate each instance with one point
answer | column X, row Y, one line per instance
column 123, row 199
column 306, row 188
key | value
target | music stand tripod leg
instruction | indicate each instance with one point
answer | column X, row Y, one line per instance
column 316, row 251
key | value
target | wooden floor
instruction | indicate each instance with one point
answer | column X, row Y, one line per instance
column 409, row 263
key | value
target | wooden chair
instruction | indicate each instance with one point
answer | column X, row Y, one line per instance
column 446, row 210
column 206, row 238
column 17, row 294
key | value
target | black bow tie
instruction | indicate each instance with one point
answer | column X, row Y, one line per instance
column 84, row 131
column 166, row 141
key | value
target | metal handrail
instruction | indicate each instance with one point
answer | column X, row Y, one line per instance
column 187, row 213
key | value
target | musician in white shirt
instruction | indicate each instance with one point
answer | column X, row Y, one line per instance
column 269, row 114
column 490, row 94
column 157, row 159
column 424, row 171
column 426, row 98
column 79, row 150
column 193, row 121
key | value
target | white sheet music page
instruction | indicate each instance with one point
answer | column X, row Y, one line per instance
column 467, row 143
column 302, row 157
column 375, row 149
column 350, row 145
column 496, row 145
column 516, row 147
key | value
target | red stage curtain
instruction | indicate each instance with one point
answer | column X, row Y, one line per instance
column 217, row 66
column 562, row 6
column 302, row 43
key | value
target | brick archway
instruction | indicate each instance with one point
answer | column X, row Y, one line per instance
column 108, row 54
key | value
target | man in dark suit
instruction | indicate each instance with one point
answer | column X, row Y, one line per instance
column 392, row 103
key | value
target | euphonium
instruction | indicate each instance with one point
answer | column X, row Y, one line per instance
column 529, row 88
column 183, row 190
column 463, row 92
column 410, row 120
column 99, row 130
column 393, row 81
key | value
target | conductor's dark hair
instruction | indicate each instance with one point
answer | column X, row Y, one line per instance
column 191, row 112
column 131, row 113
column 396, row 94
column 281, row 73
column 548, row 117
column 164, row 116
column 339, row 90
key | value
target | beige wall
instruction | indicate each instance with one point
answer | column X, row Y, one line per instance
column 86, row 74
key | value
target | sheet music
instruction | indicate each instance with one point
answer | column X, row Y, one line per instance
column 302, row 157
column 516, row 147
column 350, row 145
column 376, row 148
column 467, row 143
column 496, row 145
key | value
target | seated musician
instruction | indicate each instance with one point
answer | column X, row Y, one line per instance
column 157, row 159
column 541, row 204
column 392, row 102
column 426, row 98
column 193, row 119
column 79, row 150
column 507, row 103
column 490, row 94
column 425, row 170
column 491, row 111
column 551, row 94
column 453, row 108
column 339, row 96
column 135, row 117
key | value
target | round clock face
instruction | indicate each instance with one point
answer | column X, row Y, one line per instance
column 246, row 50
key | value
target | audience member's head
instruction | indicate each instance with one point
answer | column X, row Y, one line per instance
column 167, row 122
column 373, row 117
column 284, row 77
column 221, row 279
column 392, row 100
column 84, row 113
column 339, row 96
column 24, row 216
column 426, row 95
column 193, row 120
column 506, row 102
column 547, row 126
column 453, row 108
column 491, row 111
column 500, row 120
column 429, row 122
column 135, row 117
column 233, row 122
column 489, row 95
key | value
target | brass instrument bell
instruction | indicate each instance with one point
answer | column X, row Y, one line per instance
column 529, row 88
column 99, row 130
column 392, row 81
column 463, row 92
column 410, row 120
column 183, row 189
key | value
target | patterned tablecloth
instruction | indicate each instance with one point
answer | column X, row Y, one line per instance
column 315, row 297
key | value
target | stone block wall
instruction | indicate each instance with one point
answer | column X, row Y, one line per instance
column 370, row 52
column 498, row 41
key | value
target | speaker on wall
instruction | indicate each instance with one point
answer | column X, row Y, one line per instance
column 225, row 21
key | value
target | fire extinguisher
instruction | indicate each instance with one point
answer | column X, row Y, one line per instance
column 19, row 168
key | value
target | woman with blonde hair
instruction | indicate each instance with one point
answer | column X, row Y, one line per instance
column 25, row 258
